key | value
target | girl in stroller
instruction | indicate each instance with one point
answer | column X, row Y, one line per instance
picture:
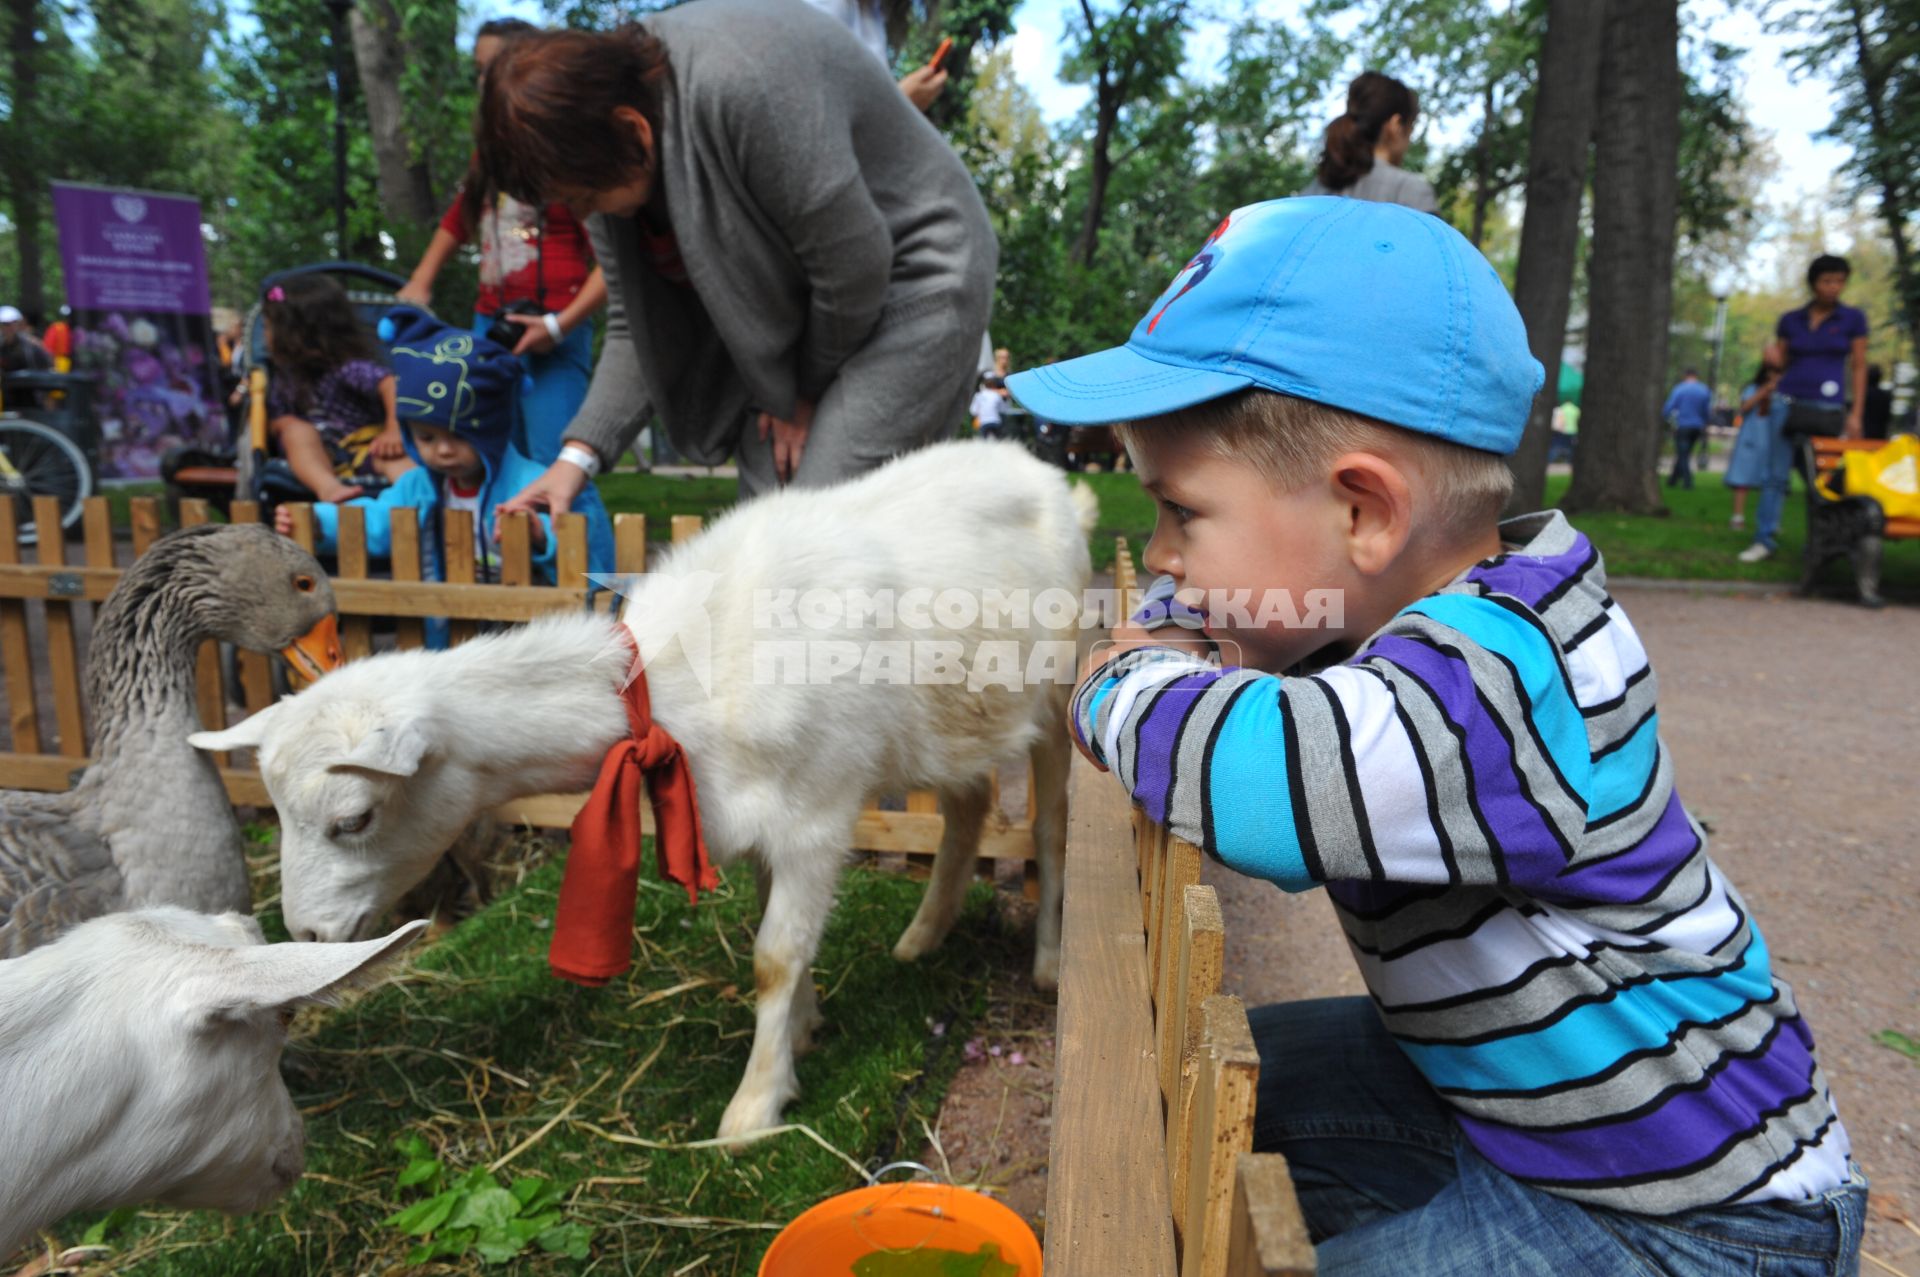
column 331, row 405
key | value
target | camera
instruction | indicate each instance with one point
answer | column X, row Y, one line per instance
column 503, row 332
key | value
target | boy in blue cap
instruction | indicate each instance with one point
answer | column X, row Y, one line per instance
column 1576, row 1058
column 457, row 398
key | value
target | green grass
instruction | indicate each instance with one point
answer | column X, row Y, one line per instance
column 660, row 497
column 408, row 1058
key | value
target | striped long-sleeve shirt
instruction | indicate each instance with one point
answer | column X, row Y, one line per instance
column 1483, row 791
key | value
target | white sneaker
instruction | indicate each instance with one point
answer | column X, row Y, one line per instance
column 1754, row 553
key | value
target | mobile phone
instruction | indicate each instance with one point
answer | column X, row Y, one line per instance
column 933, row 63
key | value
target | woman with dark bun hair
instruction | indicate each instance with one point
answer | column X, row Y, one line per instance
column 1364, row 147
column 798, row 265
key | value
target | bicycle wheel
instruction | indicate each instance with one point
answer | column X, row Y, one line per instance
column 39, row 461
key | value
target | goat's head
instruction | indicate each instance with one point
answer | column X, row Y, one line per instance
column 173, row 1033
column 367, row 803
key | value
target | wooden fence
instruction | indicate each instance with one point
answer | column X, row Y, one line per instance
column 48, row 760
column 1150, row 1172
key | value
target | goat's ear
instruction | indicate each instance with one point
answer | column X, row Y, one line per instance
column 248, row 732
column 284, row 976
column 392, row 750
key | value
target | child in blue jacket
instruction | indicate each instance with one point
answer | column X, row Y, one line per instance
column 457, row 399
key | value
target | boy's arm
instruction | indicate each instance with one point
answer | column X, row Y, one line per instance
column 1452, row 752
column 406, row 491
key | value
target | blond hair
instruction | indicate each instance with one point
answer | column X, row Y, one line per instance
column 1292, row 442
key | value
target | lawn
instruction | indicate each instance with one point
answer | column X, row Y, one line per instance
column 476, row 1049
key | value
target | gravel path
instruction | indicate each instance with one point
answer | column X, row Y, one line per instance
column 1795, row 728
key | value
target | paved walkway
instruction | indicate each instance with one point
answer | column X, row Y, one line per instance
column 1795, row 727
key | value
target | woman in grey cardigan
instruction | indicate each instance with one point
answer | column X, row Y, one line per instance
column 799, row 267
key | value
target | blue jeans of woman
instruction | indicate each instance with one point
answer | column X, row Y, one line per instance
column 556, row 386
column 1389, row 1185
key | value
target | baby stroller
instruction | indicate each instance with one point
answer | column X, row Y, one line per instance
column 248, row 470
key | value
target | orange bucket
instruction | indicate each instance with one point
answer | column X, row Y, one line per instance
column 825, row 1240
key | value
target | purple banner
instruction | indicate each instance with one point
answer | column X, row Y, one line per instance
column 129, row 250
column 136, row 275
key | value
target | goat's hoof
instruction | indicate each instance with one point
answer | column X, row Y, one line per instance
column 1046, row 970
column 916, row 942
column 747, row 1119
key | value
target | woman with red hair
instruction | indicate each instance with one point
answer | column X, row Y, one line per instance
column 799, row 268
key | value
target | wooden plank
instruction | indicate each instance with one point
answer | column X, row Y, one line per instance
column 303, row 534
column 457, row 539
column 256, row 668
column 922, row 802
column 356, row 631
column 16, row 650
column 409, row 632
column 570, row 552
column 629, row 543
column 685, row 527
column 353, row 598
column 516, row 549
column 97, row 532
column 63, row 656
column 1196, row 977
column 1222, row 1129
column 208, row 692
column 1152, row 865
column 1179, row 869
column 144, row 515
column 1268, row 1236
column 1108, row 1214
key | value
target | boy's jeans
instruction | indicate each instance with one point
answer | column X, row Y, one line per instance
column 1389, row 1185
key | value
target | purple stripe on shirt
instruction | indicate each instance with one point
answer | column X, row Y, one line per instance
column 1529, row 578
column 1532, row 854
column 1632, row 875
column 1685, row 1130
column 1160, row 736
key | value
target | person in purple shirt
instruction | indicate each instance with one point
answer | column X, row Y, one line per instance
column 1815, row 345
column 1689, row 407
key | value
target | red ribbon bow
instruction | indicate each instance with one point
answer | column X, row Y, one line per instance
column 593, row 926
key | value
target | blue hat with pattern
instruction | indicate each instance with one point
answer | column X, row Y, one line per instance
column 1368, row 307
column 446, row 376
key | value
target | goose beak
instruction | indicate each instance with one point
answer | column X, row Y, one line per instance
column 316, row 651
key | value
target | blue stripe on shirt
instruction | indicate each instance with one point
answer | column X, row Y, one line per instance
column 1250, row 805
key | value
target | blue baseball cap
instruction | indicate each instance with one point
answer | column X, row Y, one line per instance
column 1368, row 307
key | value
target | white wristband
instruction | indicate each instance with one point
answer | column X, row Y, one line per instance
column 580, row 455
column 552, row 321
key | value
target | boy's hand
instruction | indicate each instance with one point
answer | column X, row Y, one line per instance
column 1124, row 638
column 283, row 520
column 388, row 445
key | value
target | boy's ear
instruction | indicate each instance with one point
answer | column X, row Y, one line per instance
column 1379, row 508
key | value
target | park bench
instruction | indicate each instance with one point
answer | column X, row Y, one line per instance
column 1150, row 1172
column 42, row 594
column 1854, row 528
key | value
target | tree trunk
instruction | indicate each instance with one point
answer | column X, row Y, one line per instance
column 1550, row 234
column 1873, row 84
column 1099, row 170
column 1630, row 270
column 26, row 176
column 406, row 182
column 1483, row 165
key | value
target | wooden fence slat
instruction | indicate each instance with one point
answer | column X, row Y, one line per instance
column 97, row 531
column 356, row 632
column 1196, row 977
column 1107, row 1206
column 256, row 668
column 1222, row 1130
column 147, row 526
column 1268, row 1236
column 922, row 802
column 63, row 658
column 570, row 552
column 16, row 649
column 408, row 632
column 304, row 536
column 457, row 538
column 516, row 549
column 1179, row 869
column 685, row 527
column 629, row 543
column 208, row 692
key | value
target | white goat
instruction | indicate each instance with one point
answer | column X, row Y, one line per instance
column 377, row 767
column 140, row 1062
